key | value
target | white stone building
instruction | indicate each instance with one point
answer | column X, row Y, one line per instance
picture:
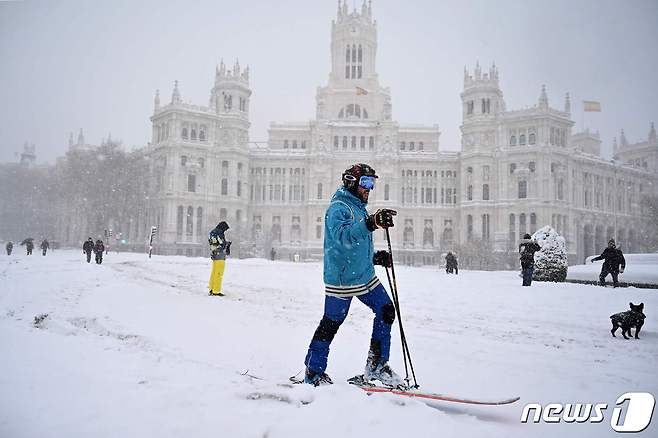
column 517, row 171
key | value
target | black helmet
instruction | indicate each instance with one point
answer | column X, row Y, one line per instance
column 222, row 226
column 527, row 236
column 353, row 173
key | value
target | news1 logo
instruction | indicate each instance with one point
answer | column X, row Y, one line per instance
column 637, row 418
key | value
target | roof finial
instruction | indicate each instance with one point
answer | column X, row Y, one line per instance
column 652, row 134
column 567, row 104
column 175, row 95
column 543, row 98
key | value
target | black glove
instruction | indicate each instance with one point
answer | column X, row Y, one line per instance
column 383, row 258
column 383, row 218
column 228, row 248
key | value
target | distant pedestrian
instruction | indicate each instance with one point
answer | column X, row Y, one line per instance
column 44, row 246
column 451, row 264
column 29, row 245
column 272, row 254
column 613, row 259
column 219, row 249
column 99, row 249
column 527, row 249
column 87, row 248
column 9, row 247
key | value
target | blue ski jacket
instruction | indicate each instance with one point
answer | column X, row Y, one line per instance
column 348, row 247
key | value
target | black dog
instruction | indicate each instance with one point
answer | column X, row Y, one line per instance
column 628, row 319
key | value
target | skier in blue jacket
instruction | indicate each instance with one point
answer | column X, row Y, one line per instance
column 349, row 260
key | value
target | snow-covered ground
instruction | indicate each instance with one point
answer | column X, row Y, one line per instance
column 640, row 268
column 135, row 348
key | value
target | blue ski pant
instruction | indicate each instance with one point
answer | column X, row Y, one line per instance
column 335, row 312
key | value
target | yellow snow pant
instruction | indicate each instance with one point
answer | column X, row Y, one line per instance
column 215, row 283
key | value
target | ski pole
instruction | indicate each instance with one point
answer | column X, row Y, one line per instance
column 403, row 338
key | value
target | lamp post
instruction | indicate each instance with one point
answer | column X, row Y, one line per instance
column 614, row 197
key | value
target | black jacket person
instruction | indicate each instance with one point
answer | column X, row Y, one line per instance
column 614, row 263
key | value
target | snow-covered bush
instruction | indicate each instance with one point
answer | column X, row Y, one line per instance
column 551, row 261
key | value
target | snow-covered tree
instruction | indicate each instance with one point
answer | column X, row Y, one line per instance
column 551, row 261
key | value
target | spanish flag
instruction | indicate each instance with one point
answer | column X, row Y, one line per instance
column 361, row 91
column 591, row 106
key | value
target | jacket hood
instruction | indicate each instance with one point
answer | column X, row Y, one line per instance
column 222, row 226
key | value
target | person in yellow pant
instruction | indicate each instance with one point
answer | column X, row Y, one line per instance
column 219, row 249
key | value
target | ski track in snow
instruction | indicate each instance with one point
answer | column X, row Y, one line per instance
column 135, row 347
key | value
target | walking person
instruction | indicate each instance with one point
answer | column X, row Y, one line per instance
column 87, row 248
column 44, row 246
column 349, row 260
column 527, row 249
column 219, row 249
column 614, row 263
column 9, row 247
column 451, row 263
column 99, row 248
column 29, row 245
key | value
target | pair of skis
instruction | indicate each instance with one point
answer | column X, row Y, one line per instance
column 372, row 387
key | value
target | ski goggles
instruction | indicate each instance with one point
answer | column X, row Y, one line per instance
column 367, row 182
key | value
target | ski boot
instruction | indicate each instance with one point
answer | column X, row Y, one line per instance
column 316, row 379
column 379, row 370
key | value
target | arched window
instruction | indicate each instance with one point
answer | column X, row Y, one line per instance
column 560, row 190
column 353, row 142
column 469, row 170
column 362, row 143
column 522, row 139
column 386, row 192
column 184, row 133
column 512, row 140
column 319, row 190
column 469, row 193
column 469, row 227
column 189, row 227
column 353, row 52
column 523, row 189
column 344, row 142
column 202, row 134
column 224, row 186
column 285, row 144
column 371, row 143
column 360, row 54
column 335, row 142
column 522, row 224
column 532, row 138
column 533, row 222
column 428, row 237
column 512, row 168
column 347, row 53
column 341, row 113
column 485, row 192
column 412, row 146
column 365, row 113
column 294, row 144
column 403, row 145
column 183, row 160
column 531, row 166
column 193, row 134
column 421, row 146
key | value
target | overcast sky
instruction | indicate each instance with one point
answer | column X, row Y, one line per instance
column 95, row 65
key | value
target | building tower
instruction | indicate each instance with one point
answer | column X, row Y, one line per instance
column 482, row 102
column 353, row 91
column 229, row 98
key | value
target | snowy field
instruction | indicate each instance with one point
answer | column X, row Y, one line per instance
column 135, row 348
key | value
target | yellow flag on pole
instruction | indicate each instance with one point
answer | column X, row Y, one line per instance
column 361, row 91
column 591, row 106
